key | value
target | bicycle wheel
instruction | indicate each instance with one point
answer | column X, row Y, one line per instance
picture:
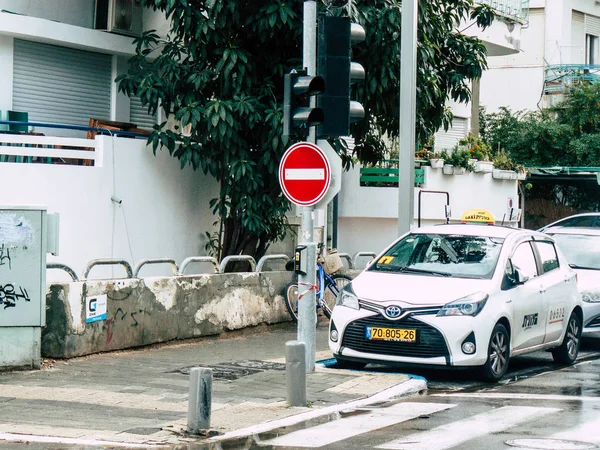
column 291, row 299
column 332, row 290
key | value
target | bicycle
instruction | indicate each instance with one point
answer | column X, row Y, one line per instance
column 325, row 297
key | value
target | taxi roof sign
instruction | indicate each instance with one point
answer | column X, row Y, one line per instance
column 478, row 216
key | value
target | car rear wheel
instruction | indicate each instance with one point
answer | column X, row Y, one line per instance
column 498, row 355
column 350, row 365
column 569, row 349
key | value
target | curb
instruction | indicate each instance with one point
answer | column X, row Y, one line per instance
column 404, row 389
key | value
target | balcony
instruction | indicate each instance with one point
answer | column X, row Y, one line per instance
column 516, row 10
column 559, row 78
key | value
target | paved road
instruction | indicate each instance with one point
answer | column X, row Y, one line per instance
column 540, row 405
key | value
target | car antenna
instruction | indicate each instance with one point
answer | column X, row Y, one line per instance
column 503, row 217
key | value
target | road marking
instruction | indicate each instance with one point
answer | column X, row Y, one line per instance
column 456, row 433
column 411, row 386
column 348, row 427
column 587, row 431
column 562, row 398
column 304, row 174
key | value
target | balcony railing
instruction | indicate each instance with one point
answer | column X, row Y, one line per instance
column 558, row 78
column 385, row 174
column 517, row 10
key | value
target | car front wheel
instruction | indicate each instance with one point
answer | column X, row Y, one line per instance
column 498, row 355
column 569, row 349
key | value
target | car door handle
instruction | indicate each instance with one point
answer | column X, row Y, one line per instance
column 542, row 289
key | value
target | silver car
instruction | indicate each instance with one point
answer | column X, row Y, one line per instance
column 585, row 220
column 581, row 247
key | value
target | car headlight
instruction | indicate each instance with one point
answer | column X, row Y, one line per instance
column 590, row 297
column 471, row 305
column 347, row 297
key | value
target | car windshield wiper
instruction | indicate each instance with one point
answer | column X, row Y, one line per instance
column 575, row 266
column 426, row 272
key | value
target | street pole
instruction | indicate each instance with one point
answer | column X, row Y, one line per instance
column 408, row 92
column 307, row 312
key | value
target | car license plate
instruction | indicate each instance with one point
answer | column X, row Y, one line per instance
column 391, row 334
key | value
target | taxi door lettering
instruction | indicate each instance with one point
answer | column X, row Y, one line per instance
column 530, row 320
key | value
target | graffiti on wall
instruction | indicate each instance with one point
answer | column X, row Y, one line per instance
column 9, row 295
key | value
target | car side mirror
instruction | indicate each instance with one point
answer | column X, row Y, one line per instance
column 515, row 275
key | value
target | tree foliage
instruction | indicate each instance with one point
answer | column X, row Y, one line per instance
column 220, row 69
column 567, row 135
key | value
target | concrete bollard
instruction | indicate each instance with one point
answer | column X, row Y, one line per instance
column 295, row 373
column 199, row 401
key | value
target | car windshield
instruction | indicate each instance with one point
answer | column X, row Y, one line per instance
column 442, row 255
column 580, row 250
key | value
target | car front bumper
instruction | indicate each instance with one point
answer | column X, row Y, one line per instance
column 591, row 319
column 439, row 339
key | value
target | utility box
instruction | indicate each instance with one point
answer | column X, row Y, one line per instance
column 23, row 246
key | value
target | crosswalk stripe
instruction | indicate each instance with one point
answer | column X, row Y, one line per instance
column 347, row 427
column 587, row 431
column 518, row 396
column 456, row 433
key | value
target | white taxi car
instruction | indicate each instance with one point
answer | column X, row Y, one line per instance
column 463, row 295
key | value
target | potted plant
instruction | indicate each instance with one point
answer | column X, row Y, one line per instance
column 481, row 154
column 460, row 161
column 503, row 166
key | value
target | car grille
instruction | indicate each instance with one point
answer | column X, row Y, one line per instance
column 430, row 342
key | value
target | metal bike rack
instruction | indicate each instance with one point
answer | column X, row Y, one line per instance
column 144, row 262
column 360, row 254
column 107, row 262
column 264, row 259
column 347, row 257
column 193, row 259
column 231, row 258
column 64, row 267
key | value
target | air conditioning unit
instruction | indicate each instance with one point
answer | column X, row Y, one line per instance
column 119, row 16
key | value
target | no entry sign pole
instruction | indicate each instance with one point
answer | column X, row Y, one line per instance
column 307, row 313
column 305, row 176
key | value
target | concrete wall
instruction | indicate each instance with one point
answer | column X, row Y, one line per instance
column 368, row 216
column 152, row 310
column 164, row 210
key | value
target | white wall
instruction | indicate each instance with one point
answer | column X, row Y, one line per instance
column 368, row 216
column 74, row 12
column 164, row 212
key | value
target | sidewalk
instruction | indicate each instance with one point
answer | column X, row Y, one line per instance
column 138, row 398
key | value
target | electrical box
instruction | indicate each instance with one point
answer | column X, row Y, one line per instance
column 300, row 260
column 22, row 266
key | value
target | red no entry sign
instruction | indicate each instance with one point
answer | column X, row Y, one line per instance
column 304, row 174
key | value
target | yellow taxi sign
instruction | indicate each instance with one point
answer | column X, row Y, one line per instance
column 478, row 216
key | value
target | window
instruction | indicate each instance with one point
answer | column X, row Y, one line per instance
column 524, row 260
column 547, row 255
column 580, row 250
column 584, row 222
column 591, row 49
column 442, row 255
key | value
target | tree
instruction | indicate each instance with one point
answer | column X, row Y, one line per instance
column 220, row 73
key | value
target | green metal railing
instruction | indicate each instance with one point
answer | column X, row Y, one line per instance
column 386, row 174
column 559, row 77
column 513, row 9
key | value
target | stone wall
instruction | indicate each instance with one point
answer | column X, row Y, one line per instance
column 152, row 310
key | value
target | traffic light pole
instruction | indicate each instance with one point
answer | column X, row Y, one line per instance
column 307, row 313
column 408, row 89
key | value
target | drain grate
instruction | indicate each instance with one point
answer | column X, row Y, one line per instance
column 234, row 370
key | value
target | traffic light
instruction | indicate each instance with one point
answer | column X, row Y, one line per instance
column 298, row 115
column 336, row 36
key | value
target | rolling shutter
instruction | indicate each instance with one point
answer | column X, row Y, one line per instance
column 592, row 25
column 139, row 114
column 447, row 140
column 61, row 85
column 578, row 38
